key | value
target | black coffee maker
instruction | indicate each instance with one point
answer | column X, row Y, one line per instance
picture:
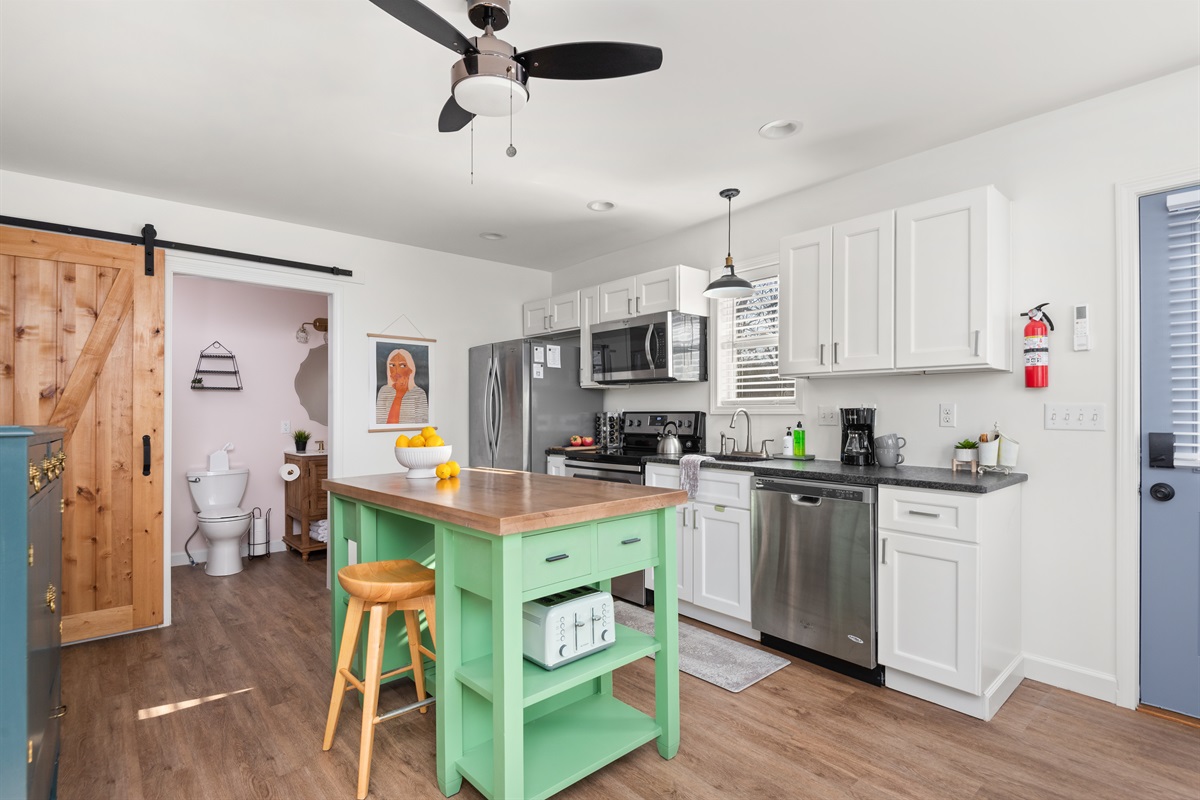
column 858, row 436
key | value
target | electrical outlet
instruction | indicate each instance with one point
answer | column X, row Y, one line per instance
column 826, row 415
column 285, row 426
column 1074, row 416
column 948, row 415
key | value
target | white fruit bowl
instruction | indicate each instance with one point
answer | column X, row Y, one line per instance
column 422, row 460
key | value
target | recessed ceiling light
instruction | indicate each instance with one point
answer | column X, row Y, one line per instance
column 601, row 205
column 779, row 129
column 492, row 237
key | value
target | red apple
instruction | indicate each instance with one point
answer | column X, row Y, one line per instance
column 576, row 441
column 588, row 441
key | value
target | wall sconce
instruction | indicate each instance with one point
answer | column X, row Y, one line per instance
column 319, row 324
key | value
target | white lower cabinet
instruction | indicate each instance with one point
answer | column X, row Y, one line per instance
column 950, row 596
column 713, row 531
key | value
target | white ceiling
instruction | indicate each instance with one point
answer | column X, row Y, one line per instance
column 324, row 112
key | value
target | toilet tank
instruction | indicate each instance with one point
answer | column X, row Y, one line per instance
column 217, row 489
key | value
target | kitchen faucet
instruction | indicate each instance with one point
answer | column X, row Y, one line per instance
column 749, row 438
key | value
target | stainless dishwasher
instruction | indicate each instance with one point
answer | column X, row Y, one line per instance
column 813, row 572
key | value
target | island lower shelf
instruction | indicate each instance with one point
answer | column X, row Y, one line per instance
column 566, row 745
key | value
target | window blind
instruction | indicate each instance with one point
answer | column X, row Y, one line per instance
column 1183, row 267
column 749, row 348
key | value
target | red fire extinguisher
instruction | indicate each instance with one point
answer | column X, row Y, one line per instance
column 1037, row 347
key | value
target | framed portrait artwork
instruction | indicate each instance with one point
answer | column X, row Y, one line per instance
column 401, row 382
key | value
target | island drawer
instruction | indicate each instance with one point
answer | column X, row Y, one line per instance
column 557, row 556
column 626, row 541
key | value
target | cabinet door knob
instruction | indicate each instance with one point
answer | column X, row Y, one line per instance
column 51, row 598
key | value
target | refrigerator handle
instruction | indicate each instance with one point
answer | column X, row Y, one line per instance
column 499, row 403
column 487, row 407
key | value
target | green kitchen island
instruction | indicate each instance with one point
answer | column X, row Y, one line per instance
column 497, row 539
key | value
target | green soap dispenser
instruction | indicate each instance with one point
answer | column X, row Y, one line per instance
column 798, row 439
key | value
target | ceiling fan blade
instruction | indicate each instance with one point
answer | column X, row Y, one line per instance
column 586, row 61
column 425, row 22
column 453, row 117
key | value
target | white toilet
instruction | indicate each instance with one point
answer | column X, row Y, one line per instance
column 215, row 498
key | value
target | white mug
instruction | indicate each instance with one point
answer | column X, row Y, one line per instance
column 890, row 441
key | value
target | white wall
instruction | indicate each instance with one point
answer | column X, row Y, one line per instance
column 1059, row 170
column 395, row 289
column 258, row 325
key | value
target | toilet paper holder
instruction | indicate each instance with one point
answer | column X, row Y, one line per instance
column 260, row 534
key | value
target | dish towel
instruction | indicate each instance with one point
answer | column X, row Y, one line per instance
column 689, row 472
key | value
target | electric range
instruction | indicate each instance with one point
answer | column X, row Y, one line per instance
column 621, row 459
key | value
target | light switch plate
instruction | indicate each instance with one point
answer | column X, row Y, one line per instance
column 1074, row 416
column 826, row 415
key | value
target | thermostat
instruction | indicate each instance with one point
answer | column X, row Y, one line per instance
column 1083, row 339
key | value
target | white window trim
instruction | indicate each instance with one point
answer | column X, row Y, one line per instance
column 750, row 269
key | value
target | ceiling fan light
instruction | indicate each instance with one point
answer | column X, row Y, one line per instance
column 490, row 95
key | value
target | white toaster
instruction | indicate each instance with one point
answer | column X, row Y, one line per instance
column 562, row 627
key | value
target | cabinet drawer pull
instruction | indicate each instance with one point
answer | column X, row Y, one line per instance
column 977, row 344
column 558, row 557
column 633, row 540
column 835, row 357
column 822, row 357
column 883, row 548
column 933, row 514
column 58, row 713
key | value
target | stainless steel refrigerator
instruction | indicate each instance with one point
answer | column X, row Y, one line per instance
column 524, row 397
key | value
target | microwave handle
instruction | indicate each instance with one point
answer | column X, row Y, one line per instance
column 646, row 346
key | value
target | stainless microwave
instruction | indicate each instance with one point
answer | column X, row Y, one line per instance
column 657, row 348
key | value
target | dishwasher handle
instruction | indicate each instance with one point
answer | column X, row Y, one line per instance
column 805, row 500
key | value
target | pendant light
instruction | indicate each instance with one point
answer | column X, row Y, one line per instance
column 729, row 286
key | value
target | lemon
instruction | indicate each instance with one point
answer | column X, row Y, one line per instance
column 454, row 468
column 417, row 441
column 428, row 431
column 434, row 441
column 442, row 471
column 402, row 441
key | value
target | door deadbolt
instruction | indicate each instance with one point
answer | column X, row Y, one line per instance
column 1162, row 491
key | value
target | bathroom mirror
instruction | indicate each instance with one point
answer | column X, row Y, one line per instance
column 312, row 384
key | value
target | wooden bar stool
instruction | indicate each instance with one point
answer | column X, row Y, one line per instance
column 380, row 587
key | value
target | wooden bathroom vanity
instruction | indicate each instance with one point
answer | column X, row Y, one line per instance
column 498, row 539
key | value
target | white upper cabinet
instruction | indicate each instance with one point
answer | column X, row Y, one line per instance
column 953, row 293
column 589, row 310
column 837, row 292
column 677, row 288
column 554, row 315
column 924, row 287
column 806, row 302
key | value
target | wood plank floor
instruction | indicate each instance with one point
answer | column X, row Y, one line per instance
column 230, row 703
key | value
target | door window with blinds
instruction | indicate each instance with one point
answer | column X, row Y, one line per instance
column 1170, row 225
column 746, row 361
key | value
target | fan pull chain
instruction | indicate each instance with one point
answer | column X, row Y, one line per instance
column 511, row 151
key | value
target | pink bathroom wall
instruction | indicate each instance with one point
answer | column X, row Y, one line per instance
column 258, row 325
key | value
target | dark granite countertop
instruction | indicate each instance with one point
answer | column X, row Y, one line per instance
column 836, row 472
column 913, row 476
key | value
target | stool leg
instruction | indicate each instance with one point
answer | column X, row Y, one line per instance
column 349, row 640
column 431, row 618
column 374, row 668
column 413, row 626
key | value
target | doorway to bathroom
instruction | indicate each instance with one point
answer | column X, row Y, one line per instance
column 249, row 367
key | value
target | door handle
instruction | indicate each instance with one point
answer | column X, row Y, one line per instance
column 835, row 353
column 629, row 306
column 145, row 455
column 976, row 353
column 637, row 305
column 883, row 549
column 1162, row 491
column 822, row 361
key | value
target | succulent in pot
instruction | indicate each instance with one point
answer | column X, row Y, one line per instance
column 301, row 437
column 966, row 450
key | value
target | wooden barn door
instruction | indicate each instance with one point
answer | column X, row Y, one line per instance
column 82, row 346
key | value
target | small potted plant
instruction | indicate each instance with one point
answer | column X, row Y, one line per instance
column 300, row 437
column 197, row 382
column 966, row 450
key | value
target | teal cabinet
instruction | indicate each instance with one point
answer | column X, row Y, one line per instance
column 31, row 498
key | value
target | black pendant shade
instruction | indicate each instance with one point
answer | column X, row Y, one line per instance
column 729, row 286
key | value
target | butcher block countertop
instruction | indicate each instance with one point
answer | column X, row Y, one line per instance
column 501, row 502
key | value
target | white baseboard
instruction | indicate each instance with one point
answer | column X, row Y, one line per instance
column 717, row 619
column 201, row 554
column 1099, row 685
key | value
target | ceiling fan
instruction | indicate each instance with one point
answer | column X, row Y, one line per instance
column 492, row 76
